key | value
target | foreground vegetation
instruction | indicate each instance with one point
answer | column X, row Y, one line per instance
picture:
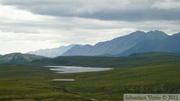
column 27, row 82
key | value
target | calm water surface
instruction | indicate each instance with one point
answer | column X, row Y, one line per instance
column 75, row 69
column 67, row 80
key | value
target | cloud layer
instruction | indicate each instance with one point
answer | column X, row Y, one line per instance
column 128, row 10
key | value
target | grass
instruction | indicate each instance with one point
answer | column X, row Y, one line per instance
column 27, row 82
column 24, row 82
column 111, row 85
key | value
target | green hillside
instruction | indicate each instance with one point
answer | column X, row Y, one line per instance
column 152, row 74
column 135, row 60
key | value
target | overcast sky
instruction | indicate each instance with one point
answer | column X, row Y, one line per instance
column 27, row 25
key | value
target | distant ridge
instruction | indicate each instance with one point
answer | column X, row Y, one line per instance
column 54, row 52
column 156, row 54
column 18, row 58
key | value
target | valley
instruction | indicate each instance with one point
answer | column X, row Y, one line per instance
column 139, row 73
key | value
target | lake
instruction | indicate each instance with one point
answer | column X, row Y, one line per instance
column 75, row 69
column 67, row 80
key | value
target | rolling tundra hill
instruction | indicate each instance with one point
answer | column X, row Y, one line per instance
column 18, row 58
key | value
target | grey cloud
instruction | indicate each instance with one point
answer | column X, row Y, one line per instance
column 167, row 4
column 141, row 15
column 120, row 10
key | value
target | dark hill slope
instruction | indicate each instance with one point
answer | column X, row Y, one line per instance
column 130, row 61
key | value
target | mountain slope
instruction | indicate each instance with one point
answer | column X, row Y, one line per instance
column 120, row 45
column 168, row 44
column 18, row 58
column 54, row 52
column 78, row 50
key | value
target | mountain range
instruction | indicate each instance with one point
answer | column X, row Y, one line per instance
column 135, row 42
